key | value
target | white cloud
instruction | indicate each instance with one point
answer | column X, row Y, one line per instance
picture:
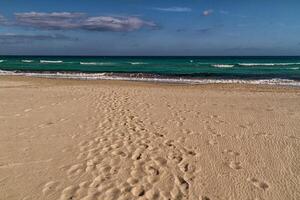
column 55, row 20
column 71, row 21
column 207, row 12
column 174, row 9
column 108, row 23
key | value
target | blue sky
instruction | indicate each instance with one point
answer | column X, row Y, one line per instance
column 140, row 27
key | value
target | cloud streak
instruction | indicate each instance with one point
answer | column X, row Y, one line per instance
column 10, row 38
column 207, row 12
column 79, row 21
column 174, row 9
column 2, row 19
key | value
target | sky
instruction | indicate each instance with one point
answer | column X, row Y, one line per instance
column 150, row 28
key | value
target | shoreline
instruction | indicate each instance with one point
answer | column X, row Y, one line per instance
column 203, row 82
column 66, row 81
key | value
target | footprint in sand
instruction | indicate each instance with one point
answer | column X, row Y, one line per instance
column 50, row 187
column 133, row 163
column 259, row 184
column 181, row 139
column 138, row 191
column 75, row 170
column 264, row 134
column 204, row 198
column 230, row 152
column 69, row 193
column 187, row 132
column 212, row 142
column 235, row 165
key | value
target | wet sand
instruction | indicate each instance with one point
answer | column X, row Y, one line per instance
column 67, row 139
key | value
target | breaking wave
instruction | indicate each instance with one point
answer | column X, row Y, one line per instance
column 138, row 63
column 131, row 77
column 27, row 61
column 96, row 63
column 266, row 64
column 51, row 61
column 222, row 65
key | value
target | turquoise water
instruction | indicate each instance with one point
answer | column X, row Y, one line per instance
column 212, row 68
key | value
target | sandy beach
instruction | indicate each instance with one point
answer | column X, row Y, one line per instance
column 113, row 140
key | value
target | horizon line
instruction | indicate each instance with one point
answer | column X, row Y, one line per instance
column 152, row 55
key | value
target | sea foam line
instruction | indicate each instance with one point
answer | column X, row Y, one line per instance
column 138, row 63
column 266, row 64
column 96, row 63
column 27, row 61
column 51, row 61
column 222, row 65
column 105, row 76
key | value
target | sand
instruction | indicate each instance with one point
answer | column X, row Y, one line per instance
column 65, row 139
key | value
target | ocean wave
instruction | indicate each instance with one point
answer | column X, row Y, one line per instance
column 266, row 64
column 138, row 63
column 222, row 65
column 51, row 61
column 1, row 61
column 96, row 63
column 27, row 61
column 4, row 72
column 110, row 76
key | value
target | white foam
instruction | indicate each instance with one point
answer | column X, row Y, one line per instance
column 266, row 64
column 96, row 63
column 222, row 65
column 3, row 72
column 138, row 63
column 51, row 61
column 27, row 61
column 1, row 61
column 104, row 76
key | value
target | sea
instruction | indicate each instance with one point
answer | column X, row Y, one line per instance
column 190, row 70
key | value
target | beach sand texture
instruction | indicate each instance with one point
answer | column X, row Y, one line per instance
column 110, row 140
